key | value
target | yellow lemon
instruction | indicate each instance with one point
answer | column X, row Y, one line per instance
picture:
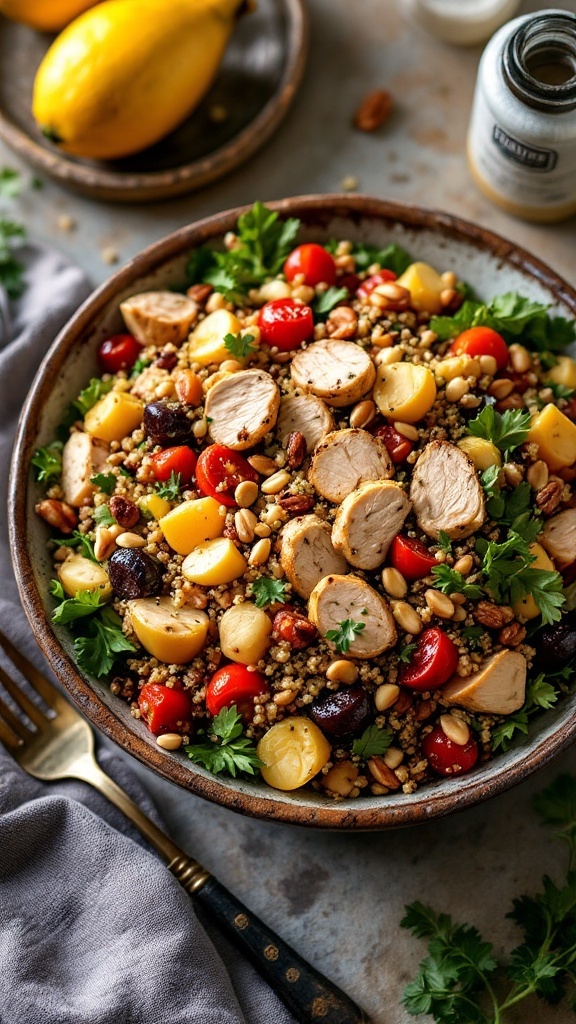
column 46, row 15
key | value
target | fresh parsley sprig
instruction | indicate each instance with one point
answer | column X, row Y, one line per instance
column 327, row 300
column 391, row 257
column 541, row 694
column 406, row 653
column 266, row 590
column 97, row 629
column 170, row 489
column 345, row 634
column 450, row 581
column 508, row 572
column 81, row 541
column 47, row 462
column 506, row 430
column 372, row 743
column 105, row 482
column 514, row 316
column 240, row 345
column 103, row 516
column 502, row 505
column 226, row 750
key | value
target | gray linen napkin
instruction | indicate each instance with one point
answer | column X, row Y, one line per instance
column 93, row 929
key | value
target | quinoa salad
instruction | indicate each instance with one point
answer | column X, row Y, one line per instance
column 316, row 519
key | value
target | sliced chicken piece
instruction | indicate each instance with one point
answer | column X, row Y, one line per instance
column 242, row 408
column 157, row 318
column 345, row 459
column 307, row 555
column 308, row 415
column 559, row 537
column 367, row 522
column 446, row 492
column 336, row 599
column 498, row 688
column 340, row 372
column 82, row 458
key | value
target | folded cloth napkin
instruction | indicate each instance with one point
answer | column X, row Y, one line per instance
column 93, row 928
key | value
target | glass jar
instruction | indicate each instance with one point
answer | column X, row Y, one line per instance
column 522, row 134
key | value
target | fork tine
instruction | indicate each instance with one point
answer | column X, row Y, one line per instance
column 22, row 700
column 13, row 722
column 8, row 738
column 43, row 686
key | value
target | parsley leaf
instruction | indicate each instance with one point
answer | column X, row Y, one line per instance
column 101, row 642
column 450, row 581
column 501, row 505
column 444, row 542
column 560, row 390
column 506, row 430
column 91, row 394
column 541, row 694
column 138, row 367
column 372, row 743
column 82, row 541
column 47, row 462
column 473, row 635
column 170, row 490
column 392, row 257
column 84, row 603
column 513, row 316
column 103, row 516
column 406, row 653
column 105, row 482
column 227, row 750
column 509, row 575
column 267, row 590
column 345, row 634
column 239, row 345
column 323, row 303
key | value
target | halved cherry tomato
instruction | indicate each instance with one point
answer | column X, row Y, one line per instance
column 119, row 352
column 434, row 661
column 397, row 446
column 313, row 261
column 179, row 460
column 164, row 709
column 219, row 470
column 234, row 684
column 285, row 324
column 481, row 341
column 368, row 286
column 446, row 757
column 411, row 557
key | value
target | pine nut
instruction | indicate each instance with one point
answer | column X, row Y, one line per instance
column 389, row 355
column 464, row 564
column 407, row 617
column 488, row 365
column 457, row 598
column 103, row 543
column 164, row 389
column 274, row 290
column 284, row 697
column 130, row 540
column 342, row 671
column 273, row 515
column 276, row 483
column 520, row 358
column 500, row 389
column 393, row 757
column 214, row 302
column 246, row 493
column 381, row 340
column 200, row 428
column 455, row 729
column 456, row 389
column 407, row 430
column 439, row 604
column 447, row 296
column 115, row 530
column 362, row 414
column 245, row 522
column 449, row 279
column 394, row 582
column 231, row 366
column 169, row 741
column 537, row 475
column 470, row 401
column 262, row 464
column 262, row 530
column 459, row 615
column 303, row 293
column 513, row 474
column 385, row 696
column 260, row 552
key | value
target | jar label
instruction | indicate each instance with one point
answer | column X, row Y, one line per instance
column 520, row 153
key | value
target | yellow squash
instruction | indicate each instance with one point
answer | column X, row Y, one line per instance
column 128, row 72
column 46, row 15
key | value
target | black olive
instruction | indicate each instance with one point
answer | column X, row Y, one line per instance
column 166, row 423
column 134, row 574
column 344, row 713
column 555, row 645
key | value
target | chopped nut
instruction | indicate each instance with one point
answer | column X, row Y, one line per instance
column 58, row 514
column 125, row 512
column 296, row 504
column 296, row 449
column 550, row 497
column 293, row 627
column 493, row 616
column 512, row 635
column 382, row 773
column 374, row 110
column 341, row 323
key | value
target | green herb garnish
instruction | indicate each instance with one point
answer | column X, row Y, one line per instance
column 473, row 635
column 513, row 316
column 326, row 301
column 444, row 542
column 103, row 516
column 507, row 430
column 372, row 743
column 509, row 576
column 170, row 489
column 406, row 653
column 345, row 634
column 10, row 183
column 47, row 462
column 97, row 629
column 240, row 345
column 12, row 235
column 541, row 694
column 105, row 482
column 450, row 581
column 82, row 541
column 267, row 590
column 227, row 750
column 391, row 257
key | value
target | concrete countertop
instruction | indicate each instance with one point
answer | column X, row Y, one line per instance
column 339, row 898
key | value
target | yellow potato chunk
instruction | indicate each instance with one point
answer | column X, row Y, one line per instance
column 555, row 436
column 81, row 574
column 458, row 366
column 206, row 343
column 425, row 286
column 481, row 452
column 404, row 391
column 153, row 506
column 563, row 373
column 214, row 562
column 245, row 633
column 192, row 523
column 526, row 607
column 174, row 635
column 114, row 416
column 293, row 752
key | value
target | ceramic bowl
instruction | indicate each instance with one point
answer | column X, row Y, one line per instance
column 492, row 265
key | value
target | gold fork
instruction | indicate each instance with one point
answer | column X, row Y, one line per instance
column 60, row 745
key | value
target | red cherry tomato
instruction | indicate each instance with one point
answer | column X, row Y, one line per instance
column 410, row 557
column 398, row 446
column 285, row 324
column 434, row 661
column 368, row 286
column 180, row 459
column 219, row 470
column 481, row 341
column 164, row 709
column 314, row 262
column 446, row 757
column 234, row 684
column 119, row 352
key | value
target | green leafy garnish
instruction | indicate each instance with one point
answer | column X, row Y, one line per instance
column 406, row 653
column 10, row 183
column 444, row 542
column 450, row 581
column 105, row 482
column 513, row 316
column 561, row 391
column 170, row 489
column 502, row 505
column 227, row 750
column 509, row 576
column 345, row 634
column 240, row 345
column 372, row 743
column 101, row 643
column 541, row 694
column 138, row 367
column 473, row 635
column 91, row 394
column 82, row 541
column 103, row 516
column 47, row 462
column 84, row 603
column 506, row 430
column 391, row 257
column 323, row 303
column 267, row 590
column 12, row 235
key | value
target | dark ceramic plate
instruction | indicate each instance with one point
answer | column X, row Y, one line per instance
column 492, row 265
column 256, row 83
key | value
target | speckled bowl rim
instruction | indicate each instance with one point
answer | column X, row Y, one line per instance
column 432, row 801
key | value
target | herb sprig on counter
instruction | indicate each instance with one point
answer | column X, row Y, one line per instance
column 514, row 316
column 227, row 749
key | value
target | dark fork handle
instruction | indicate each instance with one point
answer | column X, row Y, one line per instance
column 309, row 996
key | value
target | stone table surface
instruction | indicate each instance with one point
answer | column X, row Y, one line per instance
column 338, row 898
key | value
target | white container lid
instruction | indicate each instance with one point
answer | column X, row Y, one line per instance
column 461, row 22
